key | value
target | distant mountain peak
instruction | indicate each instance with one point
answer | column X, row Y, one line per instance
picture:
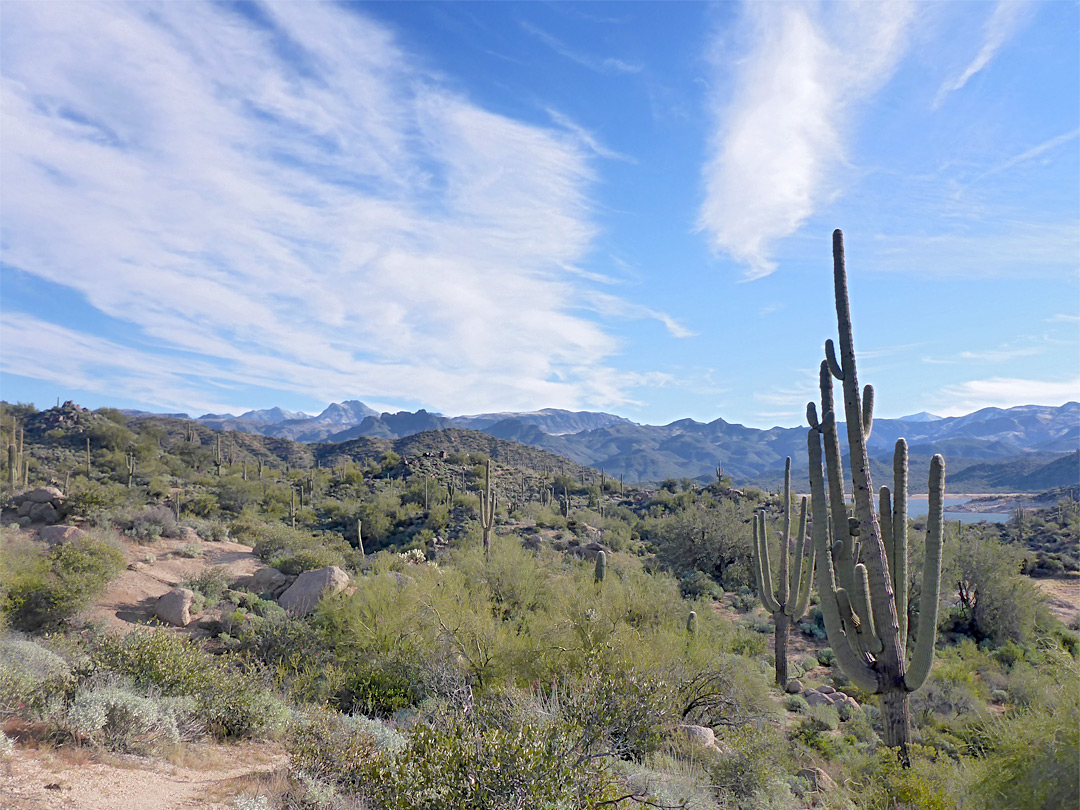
column 922, row 416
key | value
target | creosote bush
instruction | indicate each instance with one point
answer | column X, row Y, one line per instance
column 43, row 591
column 232, row 701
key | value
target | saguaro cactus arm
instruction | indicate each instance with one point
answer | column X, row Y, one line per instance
column 852, row 662
column 763, row 568
column 923, row 657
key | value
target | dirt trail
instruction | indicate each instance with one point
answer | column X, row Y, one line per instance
column 204, row 776
column 76, row 779
column 154, row 569
column 1063, row 597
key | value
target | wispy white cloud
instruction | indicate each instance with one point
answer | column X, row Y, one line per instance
column 1029, row 154
column 293, row 203
column 1002, row 24
column 613, row 306
column 1005, row 392
column 599, row 64
column 803, row 75
column 585, row 137
column 1012, row 248
column 1002, row 354
column 1064, row 317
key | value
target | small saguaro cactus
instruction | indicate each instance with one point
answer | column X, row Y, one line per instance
column 360, row 537
column 691, row 624
column 789, row 602
column 487, row 510
column 601, row 568
column 131, row 465
column 862, row 570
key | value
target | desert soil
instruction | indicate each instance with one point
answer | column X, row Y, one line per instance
column 39, row 777
column 210, row 777
column 1063, row 597
column 155, row 569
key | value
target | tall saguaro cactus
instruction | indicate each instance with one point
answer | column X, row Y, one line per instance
column 862, row 570
column 487, row 510
column 789, row 602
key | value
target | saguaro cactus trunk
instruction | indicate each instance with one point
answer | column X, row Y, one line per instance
column 487, row 510
column 790, row 601
column 862, row 571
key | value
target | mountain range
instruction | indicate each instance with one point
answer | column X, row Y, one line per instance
column 990, row 449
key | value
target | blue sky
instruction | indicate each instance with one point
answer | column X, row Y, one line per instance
column 473, row 207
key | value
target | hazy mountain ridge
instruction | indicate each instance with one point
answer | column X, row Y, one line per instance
column 1010, row 446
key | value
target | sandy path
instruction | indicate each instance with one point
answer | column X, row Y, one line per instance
column 130, row 598
column 1063, row 597
column 66, row 779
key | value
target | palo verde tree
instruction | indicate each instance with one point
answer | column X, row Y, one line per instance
column 862, row 559
column 789, row 602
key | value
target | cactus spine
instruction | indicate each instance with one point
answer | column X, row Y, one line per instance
column 487, row 510
column 862, row 570
column 793, row 595
column 601, row 568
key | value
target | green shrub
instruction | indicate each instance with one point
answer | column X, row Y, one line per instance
column 29, row 676
column 297, row 562
column 797, row 704
column 118, row 718
column 332, row 748
column 209, row 587
column 44, row 594
column 467, row 765
column 231, row 700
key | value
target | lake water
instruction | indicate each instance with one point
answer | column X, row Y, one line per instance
column 918, row 506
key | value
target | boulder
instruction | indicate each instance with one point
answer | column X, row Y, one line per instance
column 793, row 687
column 175, row 607
column 699, row 735
column 269, row 580
column 43, row 512
column 815, row 698
column 826, row 689
column 304, row 594
column 24, row 508
column 57, row 535
column 44, row 495
column 818, row 779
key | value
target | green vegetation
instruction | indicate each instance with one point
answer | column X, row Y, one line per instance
column 561, row 669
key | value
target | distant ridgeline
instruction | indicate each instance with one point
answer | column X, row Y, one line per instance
column 1029, row 448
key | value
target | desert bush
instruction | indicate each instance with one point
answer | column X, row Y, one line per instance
column 209, row 586
column 29, row 676
column 233, row 702
column 467, row 764
column 297, row 562
column 107, row 712
column 332, row 748
column 94, row 501
column 752, row 772
column 797, row 704
column 46, row 592
column 149, row 523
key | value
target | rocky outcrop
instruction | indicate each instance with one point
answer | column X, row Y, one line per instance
column 271, row 582
column 828, row 696
column 175, row 607
column 304, row 594
column 41, row 505
column 58, row 535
